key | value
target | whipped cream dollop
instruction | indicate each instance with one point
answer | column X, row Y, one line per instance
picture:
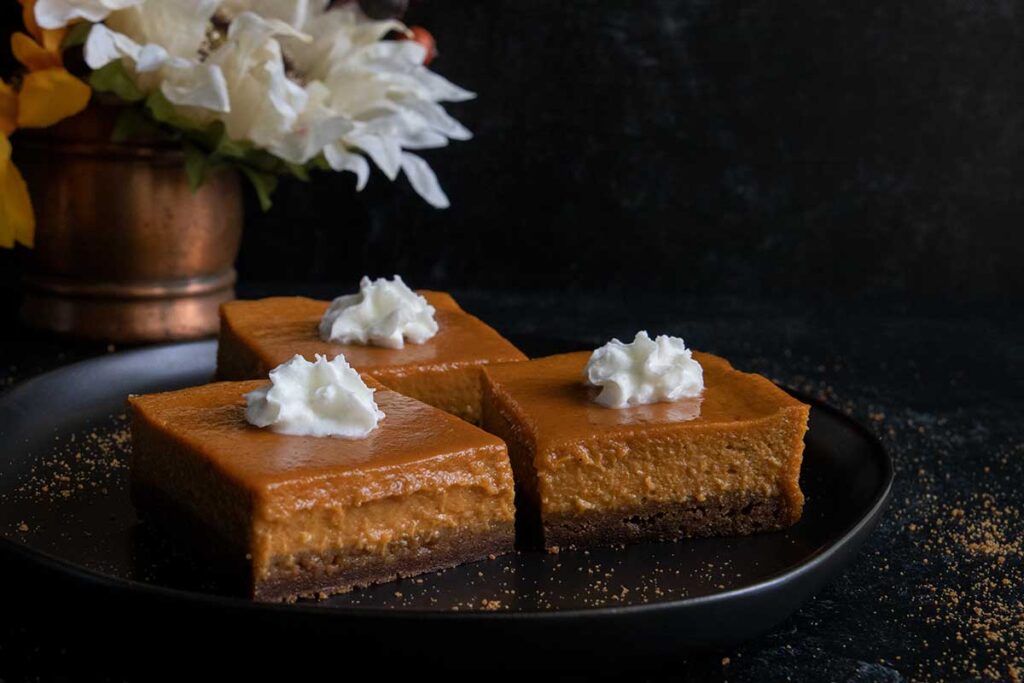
column 384, row 313
column 322, row 398
column 644, row 371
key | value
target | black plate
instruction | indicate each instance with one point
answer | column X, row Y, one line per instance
column 66, row 520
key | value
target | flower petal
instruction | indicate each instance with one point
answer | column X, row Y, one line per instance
column 385, row 152
column 49, row 96
column 340, row 159
column 197, row 85
column 17, row 222
column 8, row 109
column 440, row 89
column 266, row 105
column 151, row 57
column 32, row 54
column 178, row 26
column 337, row 35
column 103, row 46
column 437, row 117
column 295, row 13
column 423, row 139
column 423, row 180
column 316, row 127
column 59, row 13
column 395, row 55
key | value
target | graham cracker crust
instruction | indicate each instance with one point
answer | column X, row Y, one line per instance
column 315, row 574
column 735, row 514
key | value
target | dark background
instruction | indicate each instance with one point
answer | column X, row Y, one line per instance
column 869, row 152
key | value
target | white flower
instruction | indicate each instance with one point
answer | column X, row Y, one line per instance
column 381, row 87
column 265, row 103
column 295, row 13
column 58, row 13
column 178, row 26
column 183, row 82
column 292, row 77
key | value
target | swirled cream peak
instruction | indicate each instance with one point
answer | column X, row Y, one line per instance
column 384, row 313
column 322, row 398
column 644, row 371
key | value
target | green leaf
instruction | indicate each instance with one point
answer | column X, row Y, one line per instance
column 263, row 160
column 197, row 163
column 130, row 123
column 227, row 147
column 318, row 163
column 114, row 78
column 76, row 35
column 263, row 183
column 127, row 125
column 298, row 170
column 161, row 109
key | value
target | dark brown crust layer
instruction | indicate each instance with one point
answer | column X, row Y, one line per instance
column 732, row 515
column 315, row 574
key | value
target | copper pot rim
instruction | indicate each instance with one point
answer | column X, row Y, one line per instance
column 170, row 153
column 164, row 289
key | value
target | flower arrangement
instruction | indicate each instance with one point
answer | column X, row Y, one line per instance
column 272, row 87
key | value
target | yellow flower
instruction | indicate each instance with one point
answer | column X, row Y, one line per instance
column 8, row 109
column 17, row 222
column 48, row 94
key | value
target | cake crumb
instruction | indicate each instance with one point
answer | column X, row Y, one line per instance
column 726, row 661
column 23, row 528
column 554, row 550
column 491, row 605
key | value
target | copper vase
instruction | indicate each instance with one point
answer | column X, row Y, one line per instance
column 125, row 251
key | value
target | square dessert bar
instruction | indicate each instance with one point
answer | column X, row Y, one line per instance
column 445, row 371
column 726, row 463
column 294, row 515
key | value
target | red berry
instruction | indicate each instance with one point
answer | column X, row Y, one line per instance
column 423, row 37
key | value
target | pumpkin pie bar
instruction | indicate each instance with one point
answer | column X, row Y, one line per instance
column 445, row 371
column 725, row 463
column 297, row 515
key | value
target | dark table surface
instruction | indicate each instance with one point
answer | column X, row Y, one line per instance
column 937, row 592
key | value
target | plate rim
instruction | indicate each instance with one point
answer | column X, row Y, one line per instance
column 854, row 534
